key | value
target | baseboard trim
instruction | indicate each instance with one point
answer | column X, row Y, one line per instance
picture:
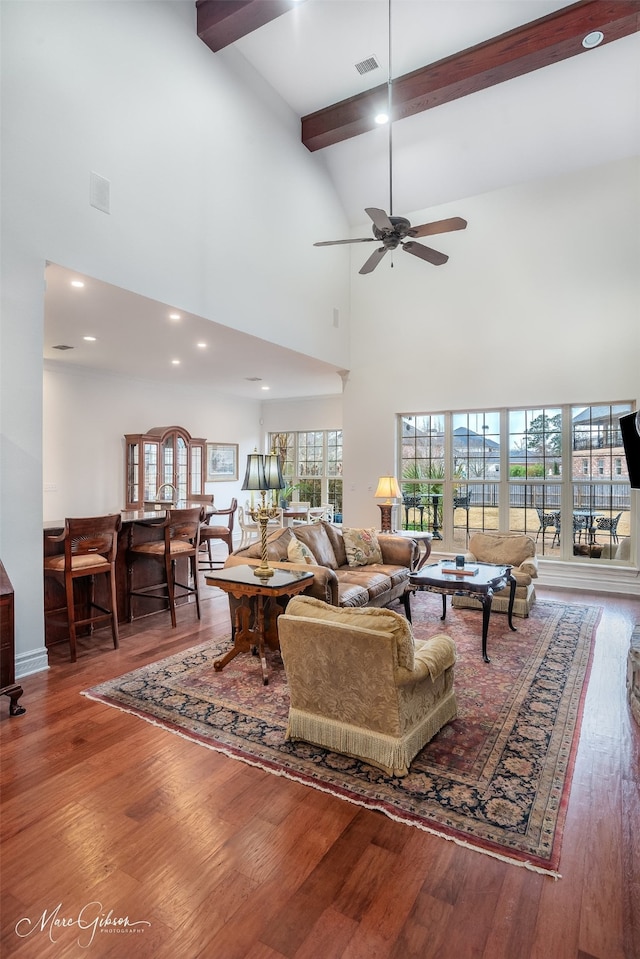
column 33, row 661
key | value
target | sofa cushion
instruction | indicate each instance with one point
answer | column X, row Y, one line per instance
column 370, row 579
column 298, row 552
column 337, row 541
column 381, row 620
column 277, row 543
column 351, row 594
column 362, row 546
column 314, row 536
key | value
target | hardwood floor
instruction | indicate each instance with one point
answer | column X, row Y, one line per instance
column 104, row 813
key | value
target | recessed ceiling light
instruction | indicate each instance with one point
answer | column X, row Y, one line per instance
column 174, row 316
column 176, row 362
column 201, row 346
column 593, row 39
column 381, row 118
column 89, row 339
column 77, row 283
column 265, row 387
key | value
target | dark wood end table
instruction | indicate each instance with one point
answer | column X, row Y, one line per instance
column 244, row 585
column 481, row 586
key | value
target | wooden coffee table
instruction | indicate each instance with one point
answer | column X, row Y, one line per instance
column 481, row 586
column 243, row 584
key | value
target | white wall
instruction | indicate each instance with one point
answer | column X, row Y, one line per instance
column 305, row 413
column 538, row 304
column 206, row 180
column 84, row 448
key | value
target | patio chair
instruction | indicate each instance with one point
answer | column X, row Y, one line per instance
column 546, row 520
column 580, row 525
column 609, row 524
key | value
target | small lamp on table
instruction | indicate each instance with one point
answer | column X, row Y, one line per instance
column 388, row 489
column 263, row 473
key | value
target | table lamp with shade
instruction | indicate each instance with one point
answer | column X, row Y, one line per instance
column 388, row 489
column 263, row 473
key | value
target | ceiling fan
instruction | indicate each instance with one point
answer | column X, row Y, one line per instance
column 396, row 231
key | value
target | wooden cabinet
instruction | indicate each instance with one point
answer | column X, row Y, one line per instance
column 8, row 685
column 165, row 464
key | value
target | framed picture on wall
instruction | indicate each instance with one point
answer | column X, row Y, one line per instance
column 222, row 462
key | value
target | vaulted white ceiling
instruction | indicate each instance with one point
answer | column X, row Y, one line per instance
column 572, row 114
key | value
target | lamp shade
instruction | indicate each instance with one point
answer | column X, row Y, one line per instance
column 272, row 472
column 254, row 478
column 387, row 488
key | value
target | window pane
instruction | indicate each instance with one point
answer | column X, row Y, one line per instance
column 535, row 443
column 310, row 453
column 476, row 445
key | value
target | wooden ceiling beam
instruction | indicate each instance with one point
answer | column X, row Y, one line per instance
column 221, row 22
column 540, row 43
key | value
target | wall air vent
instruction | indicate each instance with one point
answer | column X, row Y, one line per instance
column 62, row 346
column 367, row 65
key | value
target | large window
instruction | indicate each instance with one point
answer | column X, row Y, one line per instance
column 557, row 473
column 311, row 463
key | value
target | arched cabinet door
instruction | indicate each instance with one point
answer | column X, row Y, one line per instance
column 164, row 465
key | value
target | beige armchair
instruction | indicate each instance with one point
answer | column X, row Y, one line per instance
column 519, row 551
column 361, row 685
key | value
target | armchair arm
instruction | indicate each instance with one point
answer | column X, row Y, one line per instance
column 530, row 566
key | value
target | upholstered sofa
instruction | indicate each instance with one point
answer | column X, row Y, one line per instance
column 519, row 551
column 344, row 574
column 361, row 685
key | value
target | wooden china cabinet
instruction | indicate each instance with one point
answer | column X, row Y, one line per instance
column 165, row 464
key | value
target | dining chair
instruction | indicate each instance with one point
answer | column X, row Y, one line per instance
column 90, row 548
column 216, row 528
column 300, row 507
column 179, row 540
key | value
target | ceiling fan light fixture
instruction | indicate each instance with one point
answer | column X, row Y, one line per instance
column 593, row 39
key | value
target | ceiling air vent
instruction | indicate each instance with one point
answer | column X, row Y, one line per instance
column 62, row 346
column 367, row 65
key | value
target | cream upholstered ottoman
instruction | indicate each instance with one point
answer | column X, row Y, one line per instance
column 519, row 551
column 361, row 685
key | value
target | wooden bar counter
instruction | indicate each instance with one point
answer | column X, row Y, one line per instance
column 146, row 572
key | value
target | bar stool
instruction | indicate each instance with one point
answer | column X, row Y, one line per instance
column 213, row 529
column 180, row 540
column 90, row 547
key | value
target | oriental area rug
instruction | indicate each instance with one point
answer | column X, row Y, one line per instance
column 496, row 779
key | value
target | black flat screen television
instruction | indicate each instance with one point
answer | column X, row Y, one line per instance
column 630, row 429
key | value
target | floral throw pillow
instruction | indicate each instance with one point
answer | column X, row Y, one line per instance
column 298, row 552
column 362, row 547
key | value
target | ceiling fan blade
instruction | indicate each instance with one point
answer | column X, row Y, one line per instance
column 364, row 239
column 425, row 253
column 438, row 226
column 379, row 217
column 373, row 260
